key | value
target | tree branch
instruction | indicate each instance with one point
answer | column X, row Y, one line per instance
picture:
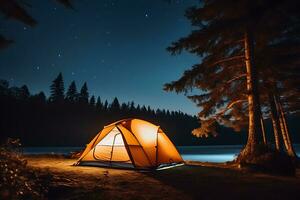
column 236, row 78
column 229, row 106
column 228, row 59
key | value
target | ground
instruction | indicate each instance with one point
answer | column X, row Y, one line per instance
column 192, row 181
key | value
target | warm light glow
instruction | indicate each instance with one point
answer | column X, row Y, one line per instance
column 145, row 132
column 113, row 138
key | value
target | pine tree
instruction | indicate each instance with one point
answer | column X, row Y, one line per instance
column 39, row 99
column 115, row 105
column 105, row 106
column 124, row 107
column 24, row 92
column 92, row 101
column 228, row 37
column 72, row 93
column 57, row 89
column 132, row 106
column 84, row 94
column 99, row 105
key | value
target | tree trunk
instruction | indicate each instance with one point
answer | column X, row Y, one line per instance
column 275, row 123
column 263, row 130
column 253, row 97
column 285, row 131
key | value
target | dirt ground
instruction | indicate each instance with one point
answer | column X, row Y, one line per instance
column 192, row 181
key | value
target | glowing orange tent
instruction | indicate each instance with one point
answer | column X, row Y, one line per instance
column 132, row 143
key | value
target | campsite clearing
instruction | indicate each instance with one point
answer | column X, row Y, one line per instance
column 192, row 181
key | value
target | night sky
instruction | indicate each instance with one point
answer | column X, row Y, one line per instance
column 117, row 46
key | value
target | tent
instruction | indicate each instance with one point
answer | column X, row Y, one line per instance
column 131, row 143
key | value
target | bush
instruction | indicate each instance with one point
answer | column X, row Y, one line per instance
column 17, row 180
column 267, row 160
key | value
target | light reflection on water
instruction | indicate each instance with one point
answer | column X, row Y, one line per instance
column 209, row 157
column 220, row 153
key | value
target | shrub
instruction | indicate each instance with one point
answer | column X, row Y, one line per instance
column 17, row 180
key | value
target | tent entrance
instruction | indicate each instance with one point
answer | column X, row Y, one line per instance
column 111, row 149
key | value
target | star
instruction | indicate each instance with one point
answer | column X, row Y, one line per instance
column 146, row 15
column 38, row 68
column 59, row 55
column 24, row 28
column 73, row 73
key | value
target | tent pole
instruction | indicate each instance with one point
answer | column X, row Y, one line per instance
column 127, row 147
column 156, row 161
column 112, row 148
column 140, row 146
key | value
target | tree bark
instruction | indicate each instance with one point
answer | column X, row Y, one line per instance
column 263, row 130
column 275, row 123
column 253, row 97
column 285, row 131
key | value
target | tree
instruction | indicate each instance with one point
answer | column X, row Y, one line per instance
column 72, row 93
column 57, row 89
column 124, row 107
column 227, row 37
column 17, row 10
column 84, row 94
column 92, row 101
column 222, row 54
column 99, row 104
column 115, row 105
column 39, row 98
column 105, row 106
column 24, row 92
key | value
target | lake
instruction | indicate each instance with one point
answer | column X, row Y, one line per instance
column 220, row 153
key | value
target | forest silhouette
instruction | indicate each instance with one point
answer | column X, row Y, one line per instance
column 72, row 117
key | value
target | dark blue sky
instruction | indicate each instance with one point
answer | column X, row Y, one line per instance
column 117, row 46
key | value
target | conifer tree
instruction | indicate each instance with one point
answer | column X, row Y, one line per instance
column 92, row 101
column 84, row 94
column 41, row 97
column 105, row 106
column 57, row 89
column 115, row 105
column 72, row 93
column 24, row 92
column 99, row 105
column 228, row 36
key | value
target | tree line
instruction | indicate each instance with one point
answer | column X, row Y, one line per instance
column 72, row 117
column 249, row 70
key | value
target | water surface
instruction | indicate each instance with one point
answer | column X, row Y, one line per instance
column 220, row 153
